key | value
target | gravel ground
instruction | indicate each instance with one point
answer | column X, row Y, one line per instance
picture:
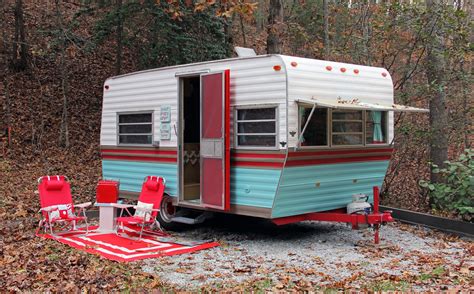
column 324, row 254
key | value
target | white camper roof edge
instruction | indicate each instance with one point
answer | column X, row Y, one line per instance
column 282, row 57
column 195, row 63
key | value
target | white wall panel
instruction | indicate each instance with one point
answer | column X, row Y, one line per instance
column 253, row 80
column 310, row 78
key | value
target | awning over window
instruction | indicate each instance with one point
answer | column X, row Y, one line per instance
column 357, row 104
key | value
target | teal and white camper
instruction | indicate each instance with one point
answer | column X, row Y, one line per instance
column 269, row 136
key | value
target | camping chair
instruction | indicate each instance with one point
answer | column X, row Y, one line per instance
column 147, row 207
column 56, row 203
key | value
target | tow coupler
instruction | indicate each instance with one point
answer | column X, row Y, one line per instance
column 374, row 219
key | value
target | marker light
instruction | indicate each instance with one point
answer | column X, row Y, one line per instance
column 106, row 87
column 343, row 69
column 294, row 64
column 329, row 67
column 356, row 71
column 277, row 67
column 384, row 74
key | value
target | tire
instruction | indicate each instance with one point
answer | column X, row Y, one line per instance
column 167, row 211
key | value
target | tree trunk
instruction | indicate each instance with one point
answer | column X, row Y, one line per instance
column 118, row 61
column 64, row 128
column 436, row 78
column 242, row 28
column 229, row 37
column 466, row 97
column 260, row 19
column 19, row 59
column 366, row 32
column 3, row 40
column 7, row 114
column 327, row 48
column 275, row 17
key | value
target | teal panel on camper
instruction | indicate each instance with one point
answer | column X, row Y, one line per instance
column 132, row 173
column 325, row 187
column 253, row 186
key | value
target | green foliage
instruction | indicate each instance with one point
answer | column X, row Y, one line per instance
column 384, row 286
column 158, row 39
column 434, row 274
column 457, row 193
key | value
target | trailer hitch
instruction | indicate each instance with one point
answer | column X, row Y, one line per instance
column 374, row 219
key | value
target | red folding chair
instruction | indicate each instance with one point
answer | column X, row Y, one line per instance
column 147, row 207
column 56, row 204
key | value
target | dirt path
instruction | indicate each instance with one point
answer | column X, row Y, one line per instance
column 317, row 255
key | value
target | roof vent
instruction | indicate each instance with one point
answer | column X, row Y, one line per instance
column 244, row 52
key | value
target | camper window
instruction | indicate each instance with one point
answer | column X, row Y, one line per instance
column 317, row 128
column 256, row 127
column 347, row 127
column 135, row 128
column 376, row 127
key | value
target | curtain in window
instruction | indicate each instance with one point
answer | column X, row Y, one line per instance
column 377, row 120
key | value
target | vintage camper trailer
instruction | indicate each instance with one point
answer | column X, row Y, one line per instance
column 269, row 136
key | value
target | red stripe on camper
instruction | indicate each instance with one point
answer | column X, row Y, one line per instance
column 257, row 164
column 162, row 152
column 140, row 158
column 336, row 160
column 338, row 152
column 258, row 155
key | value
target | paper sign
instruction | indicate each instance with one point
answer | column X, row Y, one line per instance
column 165, row 131
column 165, row 114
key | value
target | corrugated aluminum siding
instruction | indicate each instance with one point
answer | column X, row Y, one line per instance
column 249, row 186
column 253, row 186
column 325, row 187
column 311, row 78
column 132, row 173
column 253, row 81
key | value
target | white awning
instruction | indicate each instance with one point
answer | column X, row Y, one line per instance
column 357, row 104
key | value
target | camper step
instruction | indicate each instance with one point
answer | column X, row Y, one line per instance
column 192, row 221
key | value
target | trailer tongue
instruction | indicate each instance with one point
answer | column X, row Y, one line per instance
column 373, row 218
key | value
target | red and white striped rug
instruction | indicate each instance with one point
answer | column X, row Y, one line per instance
column 124, row 249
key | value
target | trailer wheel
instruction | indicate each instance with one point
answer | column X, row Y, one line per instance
column 167, row 212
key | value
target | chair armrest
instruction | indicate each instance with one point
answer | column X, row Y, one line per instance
column 122, row 206
column 83, row 205
column 142, row 209
column 49, row 208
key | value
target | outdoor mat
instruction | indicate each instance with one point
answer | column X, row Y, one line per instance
column 125, row 247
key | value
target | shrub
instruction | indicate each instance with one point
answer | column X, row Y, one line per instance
column 456, row 194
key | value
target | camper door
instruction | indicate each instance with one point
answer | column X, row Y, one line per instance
column 215, row 140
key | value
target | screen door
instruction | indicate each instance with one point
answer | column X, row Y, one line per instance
column 215, row 140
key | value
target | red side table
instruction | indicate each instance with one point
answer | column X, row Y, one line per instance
column 107, row 194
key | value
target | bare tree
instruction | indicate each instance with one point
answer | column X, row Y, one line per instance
column 260, row 19
column 64, row 129
column 19, row 59
column 7, row 112
column 327, row 48
column 3, row 39
column 365, row 15
column 275, row 17
column 435, row 72
column 242, row 28
column 118, row 61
